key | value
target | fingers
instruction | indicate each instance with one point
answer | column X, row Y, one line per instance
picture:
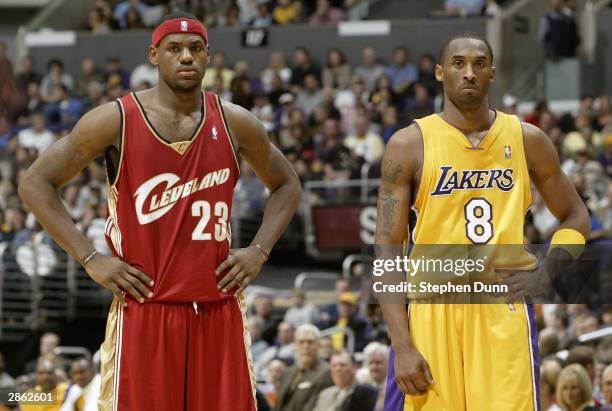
column 223, row 284
column 139, row 285
column 118, row 294
column 139, row 274
column 245, row 283
column 227, row 263
column 427, row 373
column 128, row 287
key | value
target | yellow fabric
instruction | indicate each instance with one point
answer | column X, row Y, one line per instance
column 285, row 15
column 479, row 356
column 338, row 338
column 108, row 354
column 59, row 393
column 570, row 240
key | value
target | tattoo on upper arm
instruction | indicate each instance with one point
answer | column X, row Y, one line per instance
column 387, row 207
column 391, row 172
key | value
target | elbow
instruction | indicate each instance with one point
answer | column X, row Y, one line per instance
column 296, row 191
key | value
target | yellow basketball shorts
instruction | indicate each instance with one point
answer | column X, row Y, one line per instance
column 481, row 356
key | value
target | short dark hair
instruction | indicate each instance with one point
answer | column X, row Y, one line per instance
column 466, row 35
column 176, row 15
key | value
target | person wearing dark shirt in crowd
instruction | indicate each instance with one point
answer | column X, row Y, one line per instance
column 559, row 32
column 401, row 72
column 419, row 106
column 349, row 317
column 605, row 157
column 27, row 74
column 337, row 72
column 263, row 307
column 113, row 66
column 427, row 74
column 302, row 66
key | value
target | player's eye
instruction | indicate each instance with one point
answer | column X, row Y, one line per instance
column 196, row 48
column 458, row 63
column 173, row 49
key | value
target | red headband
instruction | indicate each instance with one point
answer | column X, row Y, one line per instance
column 178, row 26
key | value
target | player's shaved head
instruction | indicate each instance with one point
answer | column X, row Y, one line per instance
column 467, row 36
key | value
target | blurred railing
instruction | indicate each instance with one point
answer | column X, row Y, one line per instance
column 42, row 287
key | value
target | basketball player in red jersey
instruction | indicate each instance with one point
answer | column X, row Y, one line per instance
column 176, row 337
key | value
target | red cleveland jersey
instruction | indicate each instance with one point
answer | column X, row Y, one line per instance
column 170, row 203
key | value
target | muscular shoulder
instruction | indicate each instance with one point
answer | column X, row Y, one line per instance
column 538, row 147
column 406, row 147
column 242, row 123
column 100, row 126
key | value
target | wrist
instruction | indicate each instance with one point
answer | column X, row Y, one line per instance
column 89, row 257
column 261, row 250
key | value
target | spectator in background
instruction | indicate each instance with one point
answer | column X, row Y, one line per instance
column 401, row 72
column 24, row 383
column 574, row 389
column 101, row 19
column 302, row 66
column 326, row 14
column 264, row 16
column 337, row 73
column 26, row 73
column 46, row 382
column 301, row 312
column 94, row 229
column 370, row 69
column 263, row 308
column 286, row 12
column 559, row 32
column 219, row 69
column 133, row 19
column 258, row 345
column 37, row 136
column 329, row 313
column 463, row 7
column 349, row 317
column 247, row 10
column 310, row 96
column 276, row 67
column 427, row 74
column 89, row 73
column 263, row 110
column 274, row 371
column 301, row 383
column 585, row 357
column 114, row 67
column 364, row 143
column 549, row 375
column 54, row 77
column 6, row 381
column 83, row 394
column 123, row 10
column 250, row 194
column 342, row 370
column 376, row 358
column 36, row 258
column 390, row 123
column 606, row 384
column 144, row 73
column 420, row 105
column 605, row 157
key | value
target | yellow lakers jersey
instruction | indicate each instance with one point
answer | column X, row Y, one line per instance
column 474, row 195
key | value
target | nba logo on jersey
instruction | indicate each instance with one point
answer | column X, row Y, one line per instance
column 511, row 306
column 214, row 133
column 183, row 25
column 507, row 152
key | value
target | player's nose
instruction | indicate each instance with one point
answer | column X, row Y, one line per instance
column 186, row 56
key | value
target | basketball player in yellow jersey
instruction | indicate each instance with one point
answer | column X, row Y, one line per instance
column 467, row 173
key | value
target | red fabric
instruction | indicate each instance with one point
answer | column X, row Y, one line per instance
column 178, row 26
column 170, row 206
column 172, row 358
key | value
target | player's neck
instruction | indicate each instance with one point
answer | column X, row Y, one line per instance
column 468, row 120
column 181, row 101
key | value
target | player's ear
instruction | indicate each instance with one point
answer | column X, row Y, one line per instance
column 153, row 55
column 439, row 73
column 493, row 71
column 207, row 54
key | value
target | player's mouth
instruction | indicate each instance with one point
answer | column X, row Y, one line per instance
column 469, row 87
column 188, row 71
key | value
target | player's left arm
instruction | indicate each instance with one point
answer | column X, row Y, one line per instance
column 564, row 203
column 553, row 185
column 276, row 173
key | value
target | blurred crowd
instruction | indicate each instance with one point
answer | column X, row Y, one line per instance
column 108, row 15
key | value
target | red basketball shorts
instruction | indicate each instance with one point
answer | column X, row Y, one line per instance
column 174, row 357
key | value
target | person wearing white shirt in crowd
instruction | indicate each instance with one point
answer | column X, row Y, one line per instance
column 364, row 143
column 83, row 393
column 301, row 312
column 144, row 73
column 370, row 70
column 37, row 136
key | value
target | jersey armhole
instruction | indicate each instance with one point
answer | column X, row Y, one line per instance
column 421, row 189
column 112, row 169
column 529, row 199
column 229, row 135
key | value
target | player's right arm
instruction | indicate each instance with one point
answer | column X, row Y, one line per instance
column 95, row 132
column 400, row 165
